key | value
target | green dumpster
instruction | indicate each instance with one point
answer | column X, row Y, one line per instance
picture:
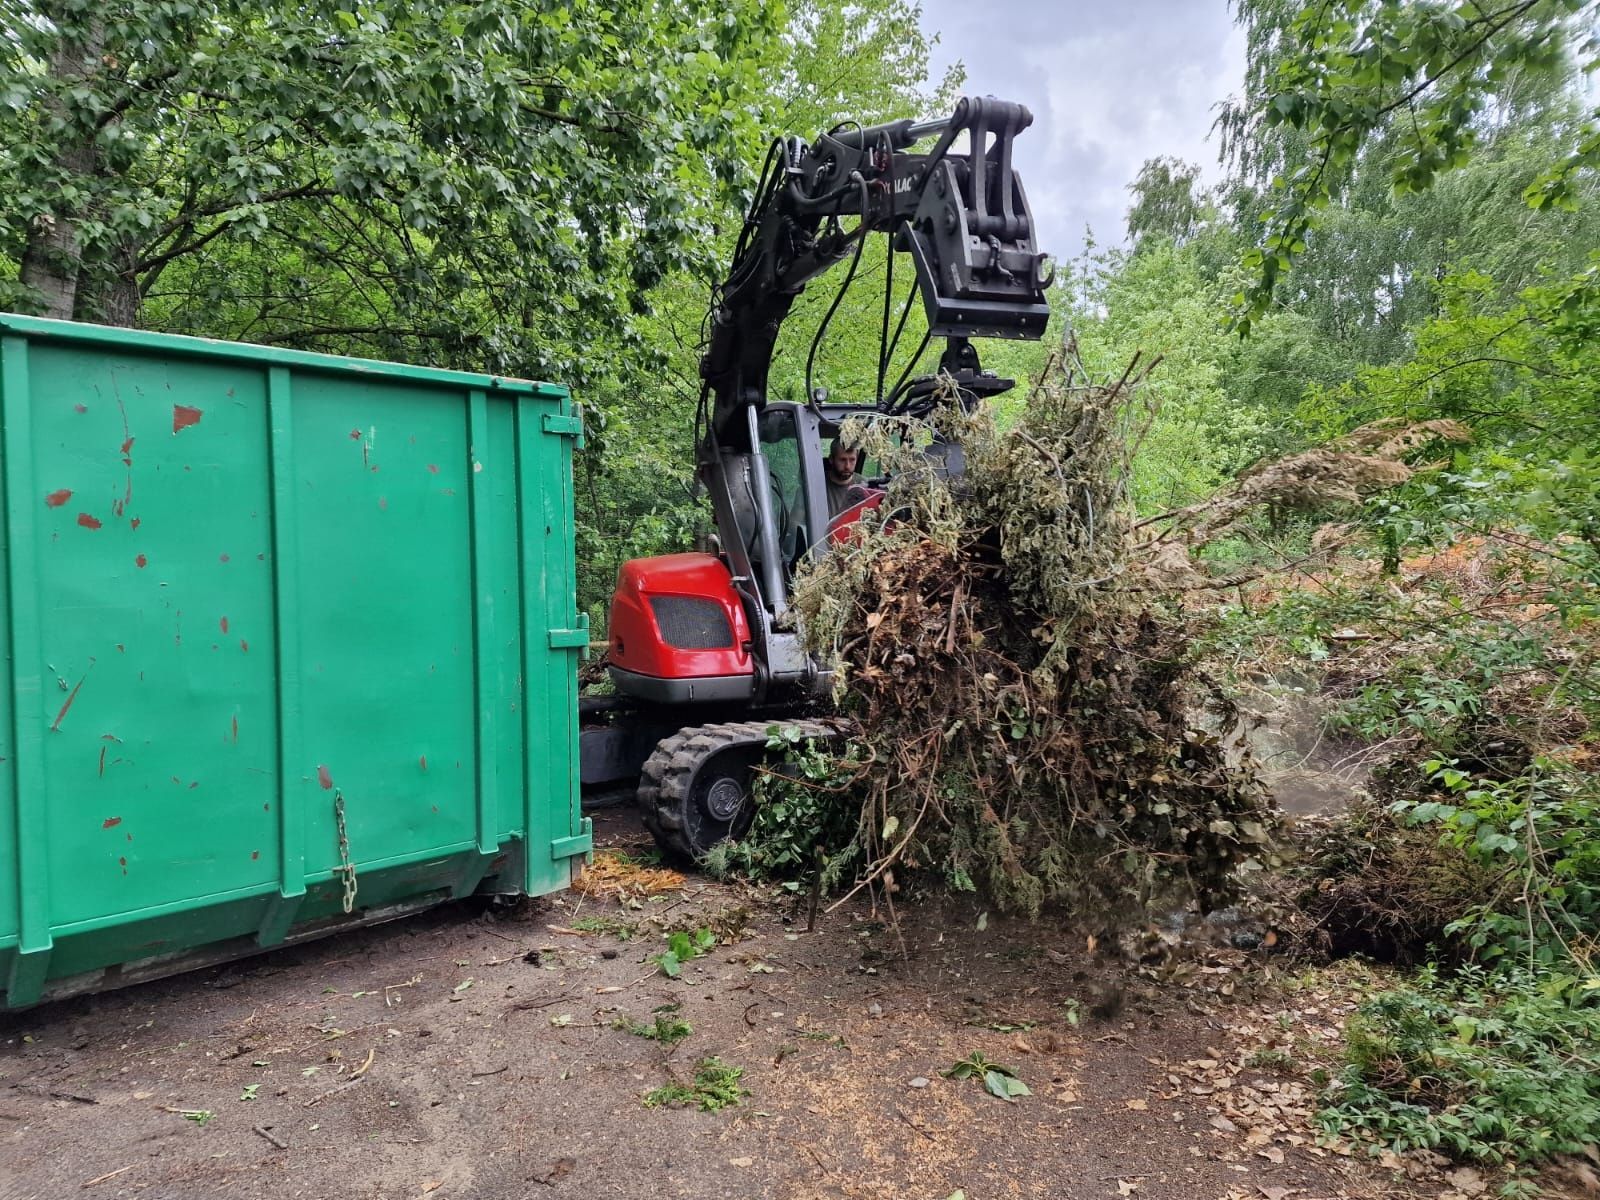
column 287, row 644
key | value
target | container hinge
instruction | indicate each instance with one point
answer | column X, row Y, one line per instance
column 575, row 638
column 565, row 425
column 581, row 842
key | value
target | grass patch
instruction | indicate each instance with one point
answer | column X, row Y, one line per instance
column 617, row 927
column 667, row 1029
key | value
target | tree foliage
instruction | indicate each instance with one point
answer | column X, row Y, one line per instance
column 543, row 189
column 485, row 183
column 1158, row 302
column 1419, row 81
column 1167, row 202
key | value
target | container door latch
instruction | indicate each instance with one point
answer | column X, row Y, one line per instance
column 565, row 425
column 575, row 638
column 581, row 842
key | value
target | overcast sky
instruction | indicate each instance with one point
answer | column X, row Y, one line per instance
column 1110, row 83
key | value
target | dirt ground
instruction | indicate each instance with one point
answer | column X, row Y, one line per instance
column 472, row 1053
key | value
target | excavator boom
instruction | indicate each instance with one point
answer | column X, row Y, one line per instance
column 961, row 216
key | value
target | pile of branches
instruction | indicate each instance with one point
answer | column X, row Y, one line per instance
column 1014, row 646
column 1366, row 883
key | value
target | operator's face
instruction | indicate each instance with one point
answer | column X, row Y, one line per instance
column 842, row 464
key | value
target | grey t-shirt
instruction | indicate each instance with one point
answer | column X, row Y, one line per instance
column 839, row 497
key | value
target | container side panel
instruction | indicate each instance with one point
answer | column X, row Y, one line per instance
column 550, row 603
column 8, row 794
column 487, row 717
column 502, row 583
column 561, row 537
column 384, row 617
column 285, row 560
column 23, row 971
column 152, row 545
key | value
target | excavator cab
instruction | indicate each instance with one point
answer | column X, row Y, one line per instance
column 775, row 484
column 785, row 449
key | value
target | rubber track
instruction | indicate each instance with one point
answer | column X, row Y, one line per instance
column 669, row 773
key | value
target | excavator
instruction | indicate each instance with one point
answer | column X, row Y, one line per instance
column 704, row 650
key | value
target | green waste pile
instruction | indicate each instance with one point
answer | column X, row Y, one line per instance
column 1015, row 647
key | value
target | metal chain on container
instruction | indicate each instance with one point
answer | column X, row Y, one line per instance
column 346, row 868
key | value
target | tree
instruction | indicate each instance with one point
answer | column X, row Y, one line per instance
column 1523, row 375
column 486, row 183
column 1167, row 202
column 1329, row 81
column 1156, row 302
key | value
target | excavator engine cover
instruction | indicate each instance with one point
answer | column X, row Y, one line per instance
column 679, row 633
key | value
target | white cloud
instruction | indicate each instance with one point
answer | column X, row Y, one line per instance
column 1110, row 85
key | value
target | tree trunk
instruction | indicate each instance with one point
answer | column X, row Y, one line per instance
column 110, row 294
column 52, row 259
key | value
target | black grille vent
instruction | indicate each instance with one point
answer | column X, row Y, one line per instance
column 689, row 623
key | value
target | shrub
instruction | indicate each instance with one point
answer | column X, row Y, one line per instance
column 1495, row 1067
column 1536, row 836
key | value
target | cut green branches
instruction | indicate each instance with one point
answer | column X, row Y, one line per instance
column 716, row 1086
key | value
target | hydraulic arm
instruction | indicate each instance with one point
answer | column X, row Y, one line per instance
column 957, row 209
column 962, row 216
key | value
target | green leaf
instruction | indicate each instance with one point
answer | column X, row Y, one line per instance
column 1005, row 1085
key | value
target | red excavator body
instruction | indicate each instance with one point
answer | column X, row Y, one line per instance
column 678, row 631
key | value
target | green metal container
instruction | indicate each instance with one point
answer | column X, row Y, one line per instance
column 264, row 615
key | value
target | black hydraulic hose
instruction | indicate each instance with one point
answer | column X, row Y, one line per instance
column 766, row 185
column 702, row 421
column 771, row 177
column 883, row 330
column 894, row 342
column 861, row 241
column 804, row 201
column 910, row 366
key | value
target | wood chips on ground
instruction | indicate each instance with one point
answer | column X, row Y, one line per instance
column 613, row 874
